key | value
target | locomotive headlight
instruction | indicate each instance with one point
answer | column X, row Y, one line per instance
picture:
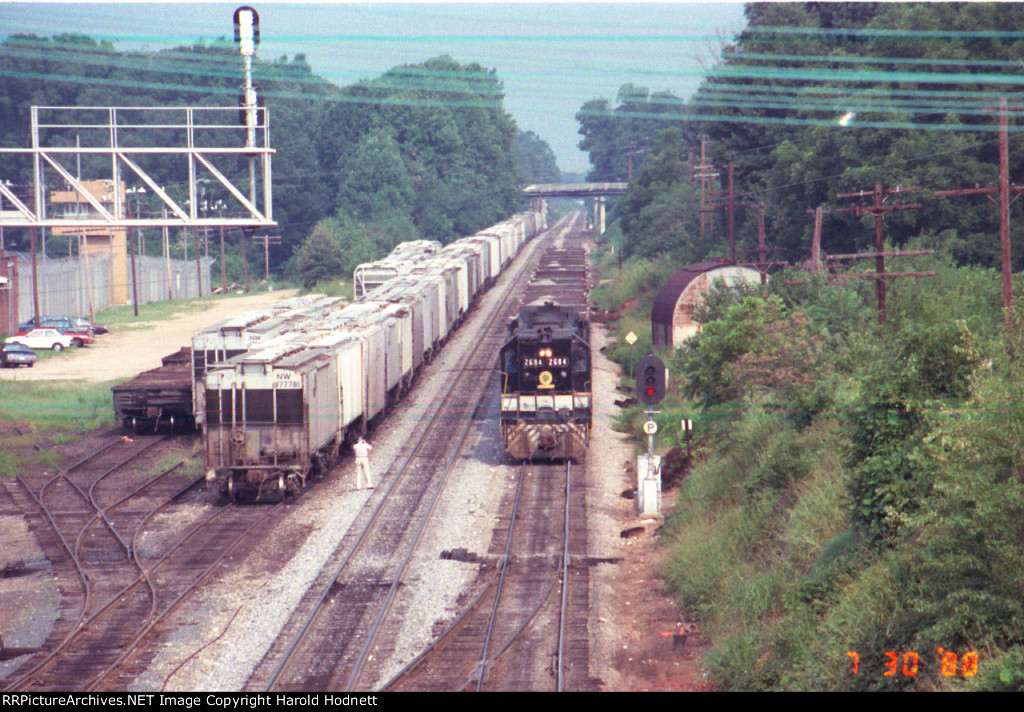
column 545, row 353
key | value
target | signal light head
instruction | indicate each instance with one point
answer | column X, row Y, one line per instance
column 651, row 380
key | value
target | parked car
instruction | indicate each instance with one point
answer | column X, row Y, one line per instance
column 83, row 322
column 78, row 338
column 81, row 335
column 31, row 323
column 14, row 355
column 43, row 339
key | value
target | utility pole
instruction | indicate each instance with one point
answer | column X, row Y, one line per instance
column 131, row 192
column 816, row 266
column 223, row 268
column 635, row 150
column 703, row 171
column 199, row 267
column 879, row 210
column 267, row 242
column 762, row 249
column 135, row 291
column 731, row 221
column 245, row 263
column 817, row 263
column 1003, row 189
column 763, row 264
column 35, row 278
column 730, row 207
column 167, row 259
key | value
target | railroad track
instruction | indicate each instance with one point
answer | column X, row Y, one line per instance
column 335, row 636
column 95, row 551
column 527, row 630
column 175, row 573
column 100, row 513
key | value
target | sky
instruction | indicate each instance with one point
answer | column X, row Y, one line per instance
column 552, row 57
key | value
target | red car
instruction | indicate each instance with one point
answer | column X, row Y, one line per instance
column 79, row 336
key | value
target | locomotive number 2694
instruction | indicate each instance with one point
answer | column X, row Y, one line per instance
column 545, row 362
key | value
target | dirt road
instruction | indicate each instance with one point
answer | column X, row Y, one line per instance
column 130, row 351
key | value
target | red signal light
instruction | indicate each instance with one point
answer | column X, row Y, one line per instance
column 651, row 380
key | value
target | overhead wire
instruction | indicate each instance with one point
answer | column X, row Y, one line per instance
column 750, row 101
column 397, row 80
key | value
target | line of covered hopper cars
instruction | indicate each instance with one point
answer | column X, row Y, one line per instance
column 278, row 392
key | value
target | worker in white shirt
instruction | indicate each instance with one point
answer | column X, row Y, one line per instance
column 362, row 451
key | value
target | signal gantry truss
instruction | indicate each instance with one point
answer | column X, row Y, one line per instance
column 142, row 149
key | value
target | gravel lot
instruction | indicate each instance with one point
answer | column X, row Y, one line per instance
column 140, row 347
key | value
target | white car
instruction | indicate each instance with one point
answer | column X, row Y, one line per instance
column 43, row 339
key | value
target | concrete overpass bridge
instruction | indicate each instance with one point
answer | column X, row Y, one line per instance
column 597, row 191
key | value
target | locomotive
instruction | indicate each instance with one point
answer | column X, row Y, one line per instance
column 546, row 383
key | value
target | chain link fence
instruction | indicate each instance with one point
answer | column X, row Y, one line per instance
column 78, row 285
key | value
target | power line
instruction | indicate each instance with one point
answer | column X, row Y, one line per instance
column 863, row 59
column 694, row 116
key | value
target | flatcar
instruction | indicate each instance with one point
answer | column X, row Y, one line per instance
column 546, row 383
column 158, row 397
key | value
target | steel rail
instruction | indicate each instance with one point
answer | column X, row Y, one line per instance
column 84, row 617
column 480, row 670
column 100, row 511
column 481, row 667
column 485, row 664
column 155, row 618
column 314, row 614
column 566, row 558
column 499, row 308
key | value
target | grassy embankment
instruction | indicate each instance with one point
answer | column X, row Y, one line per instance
column 860, row 489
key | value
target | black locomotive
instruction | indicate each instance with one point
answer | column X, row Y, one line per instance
column 546, row 383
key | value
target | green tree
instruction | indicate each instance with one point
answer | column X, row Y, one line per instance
column 617, row 138
column 376, row 179
column 534, row 159
column 659, row 215
column 322, row 256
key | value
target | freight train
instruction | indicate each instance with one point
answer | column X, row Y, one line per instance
column 277, row 411
column 165, row 397
column 545, row 365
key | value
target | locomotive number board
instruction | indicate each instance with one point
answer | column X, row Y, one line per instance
column 545, row 362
